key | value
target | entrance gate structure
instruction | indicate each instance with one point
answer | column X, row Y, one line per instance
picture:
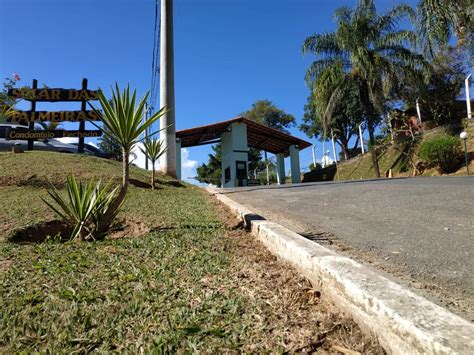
column 237, row 135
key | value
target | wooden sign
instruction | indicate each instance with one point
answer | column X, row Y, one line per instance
column 35, row 95
column 26, row 134
column 53, row 116
column 52, row 95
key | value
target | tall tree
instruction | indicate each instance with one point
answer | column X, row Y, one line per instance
column 109, row 144
column 438, row 96
column 372, row 53
column 263, row 112
column 266, row 113
column 345, row 120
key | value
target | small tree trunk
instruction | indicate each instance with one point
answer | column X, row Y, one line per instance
column 125, row 168
column 152, row 175
column 344, row 147
column 373, row 151
column 110, row 215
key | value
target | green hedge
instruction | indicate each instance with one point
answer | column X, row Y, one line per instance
column 443, row 152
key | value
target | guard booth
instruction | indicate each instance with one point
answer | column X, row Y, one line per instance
column 237, row 136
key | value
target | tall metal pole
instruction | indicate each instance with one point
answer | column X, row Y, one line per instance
column 167, row 121
column 468, row 97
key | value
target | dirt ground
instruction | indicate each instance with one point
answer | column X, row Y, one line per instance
column 299, row 318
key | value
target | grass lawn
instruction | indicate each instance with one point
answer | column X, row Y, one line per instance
column 192, row 281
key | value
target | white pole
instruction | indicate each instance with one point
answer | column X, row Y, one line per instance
column 361, row 137
column 391, row 128
column 313, row 148
column 266, row 166
column 333, row 147
column 324, row 152
column 418, row 111
column 167, row 121
column 145, row 134
column 468, row 97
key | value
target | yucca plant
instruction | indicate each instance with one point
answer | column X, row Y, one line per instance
column 122, row 118
column 153, row 151
column 84, row 207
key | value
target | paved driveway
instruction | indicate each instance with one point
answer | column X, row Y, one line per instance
column 420, row 230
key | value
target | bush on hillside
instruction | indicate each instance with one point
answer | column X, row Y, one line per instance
column 312, row 167
column 443, row 152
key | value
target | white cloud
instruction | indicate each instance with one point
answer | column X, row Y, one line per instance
column 68, row 140
column 188, row 166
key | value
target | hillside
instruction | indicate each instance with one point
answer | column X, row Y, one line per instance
column 361, row 167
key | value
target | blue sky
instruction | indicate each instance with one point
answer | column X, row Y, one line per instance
column 228, row 53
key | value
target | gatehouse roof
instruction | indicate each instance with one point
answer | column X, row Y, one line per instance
column 258, row 136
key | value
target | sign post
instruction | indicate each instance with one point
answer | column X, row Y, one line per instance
column 82, row 124
column 31, row 125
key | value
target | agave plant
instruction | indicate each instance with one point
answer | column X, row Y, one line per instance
column 84, row 207
column 153, row 151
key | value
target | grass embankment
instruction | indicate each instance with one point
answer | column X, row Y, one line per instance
column 189, row 284
column 361, row 167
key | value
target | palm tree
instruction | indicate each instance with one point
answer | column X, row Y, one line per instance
column 49, row 126
column 123, row 119
column 153, row 151
column 371, row 54
column 438, row 20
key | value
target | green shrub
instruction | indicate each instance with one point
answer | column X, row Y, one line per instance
column 443, row 152
column 85, row 207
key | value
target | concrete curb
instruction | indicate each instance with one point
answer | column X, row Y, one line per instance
column 404, row 322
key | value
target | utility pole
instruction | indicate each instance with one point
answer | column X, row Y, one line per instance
column 167, row 121
column 145, row 117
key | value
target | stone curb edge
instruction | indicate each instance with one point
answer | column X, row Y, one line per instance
column 403, row 322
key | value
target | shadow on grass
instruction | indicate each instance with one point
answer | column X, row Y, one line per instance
column 144, row 185
column 41, row 232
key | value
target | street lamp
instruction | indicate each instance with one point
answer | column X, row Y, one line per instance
column 464, row 137
column 468, row 97
column 361, row 137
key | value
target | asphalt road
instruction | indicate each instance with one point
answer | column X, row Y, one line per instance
column 418, row 229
